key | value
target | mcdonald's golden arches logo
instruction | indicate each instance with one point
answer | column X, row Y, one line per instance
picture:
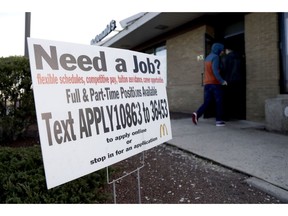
column 163, row 130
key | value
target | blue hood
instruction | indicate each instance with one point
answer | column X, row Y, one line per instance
column 217, row 48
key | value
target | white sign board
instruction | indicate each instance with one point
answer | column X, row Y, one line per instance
column 95, row 106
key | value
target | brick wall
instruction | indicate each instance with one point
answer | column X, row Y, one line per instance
column 184, row 89
column 262, row 62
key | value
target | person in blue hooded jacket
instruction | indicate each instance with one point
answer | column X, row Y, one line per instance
column 213, row 83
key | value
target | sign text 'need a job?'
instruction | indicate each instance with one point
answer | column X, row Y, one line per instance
column 69, row 62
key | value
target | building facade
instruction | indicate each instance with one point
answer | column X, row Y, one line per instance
column 186, row 38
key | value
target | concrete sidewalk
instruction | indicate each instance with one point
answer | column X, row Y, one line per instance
column 241, row 145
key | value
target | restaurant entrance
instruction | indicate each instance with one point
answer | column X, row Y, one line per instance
column 233, row 70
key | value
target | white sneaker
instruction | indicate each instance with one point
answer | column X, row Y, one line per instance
column 194, row 118
column 220, row 123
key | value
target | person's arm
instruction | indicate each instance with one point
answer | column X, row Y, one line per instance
column 216, row 71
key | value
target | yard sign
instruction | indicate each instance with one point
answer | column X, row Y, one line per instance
column 95, row 106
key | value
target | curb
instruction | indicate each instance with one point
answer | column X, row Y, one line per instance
column 268, row 188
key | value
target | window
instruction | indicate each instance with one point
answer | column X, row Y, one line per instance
column 284, row 52
column 161, row 51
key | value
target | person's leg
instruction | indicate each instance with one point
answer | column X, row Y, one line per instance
column 208, row 95
column 218, row 94
column 226, row 104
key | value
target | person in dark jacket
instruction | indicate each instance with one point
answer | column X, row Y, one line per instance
column 234, row 75
column 212, row 85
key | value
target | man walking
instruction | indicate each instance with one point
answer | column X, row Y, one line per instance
column 212, row 85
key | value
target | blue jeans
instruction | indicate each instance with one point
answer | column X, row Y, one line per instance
column 212, row 92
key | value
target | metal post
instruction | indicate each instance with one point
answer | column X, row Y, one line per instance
column 114, row 192
column 27, row 31
column 138, row 178
column 139, row 186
